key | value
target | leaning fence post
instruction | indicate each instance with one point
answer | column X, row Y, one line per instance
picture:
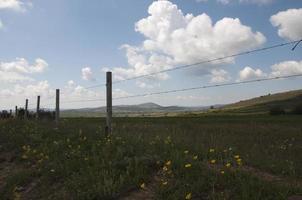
column 38, row 107
column 26, row 107
column 57, row 106
column 108, row 128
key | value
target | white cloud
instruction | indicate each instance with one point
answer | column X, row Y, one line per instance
column 249, row 73
column 16, row 5
column 71, row 83
column 21, row 65
column 173, row 38
column 219, row 76
column 13, row 77
column 1, row 25
column 87, row 74
column 32, row 90
column 19, row 69
column 259, row 2
column 286, row 68
column 289, row 23
column 117, row 93
column 192, row 98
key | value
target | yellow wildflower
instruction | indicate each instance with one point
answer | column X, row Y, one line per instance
column 168, row 163
column 222, row 172
column 236, row 156
column 228, row 165
column 143, row 186
column 24, row 157
column 165, row 183
column 165, row 168
column 186, row 152
column 195, row 157
column 212, row 150
column 188, row 196
column 52, row 170
column 188, row 165
column 213, row 161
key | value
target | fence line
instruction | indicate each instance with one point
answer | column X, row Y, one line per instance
column 109, row 83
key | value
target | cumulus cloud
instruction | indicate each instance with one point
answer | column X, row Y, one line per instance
column 16, row 5
column 73, row 91
column 87, row 74
column 219, row 76
column 249, row 73
column 259, row 2
column 32, row 90
column 19, row 69
column 288, row 23
column 174, row 38
column 286, row 68
column 13, row 77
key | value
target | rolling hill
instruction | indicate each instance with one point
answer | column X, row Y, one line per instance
column 259, row 105
column 285, row 100
column 145, row 109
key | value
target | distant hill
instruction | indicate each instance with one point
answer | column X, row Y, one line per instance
column 285, row 100
column 145, row 109
column 259, row 105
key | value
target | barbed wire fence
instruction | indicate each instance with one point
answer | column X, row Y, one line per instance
column 109, row 83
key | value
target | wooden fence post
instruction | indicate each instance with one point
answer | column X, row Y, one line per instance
column 38, row 107
column 16, row 111
column 26, row 107
column 108, row 128
column 57, row 106
column 10, row 113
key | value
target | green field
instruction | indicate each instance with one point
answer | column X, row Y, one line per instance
column 205, row 157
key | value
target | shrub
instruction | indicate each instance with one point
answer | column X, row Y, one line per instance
column 276, row 110
column 297, row 109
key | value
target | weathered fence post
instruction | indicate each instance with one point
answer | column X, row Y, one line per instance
column 10, row 113
column 57, row 106
column 108, row 128
column 38, row 107
column 26, row 107
column 16, row 111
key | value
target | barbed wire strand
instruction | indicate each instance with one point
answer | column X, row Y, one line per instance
column 185, row 89
column 296, row 42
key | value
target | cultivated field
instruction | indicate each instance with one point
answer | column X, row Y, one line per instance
column 205, row 157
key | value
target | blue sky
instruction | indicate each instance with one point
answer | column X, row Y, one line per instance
column 71, row 35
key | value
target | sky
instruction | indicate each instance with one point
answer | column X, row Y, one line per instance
column 70, row 44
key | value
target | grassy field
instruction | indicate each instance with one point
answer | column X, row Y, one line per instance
column 205, row 157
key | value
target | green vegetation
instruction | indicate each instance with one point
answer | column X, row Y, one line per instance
column 289, row 102
column 206, row 157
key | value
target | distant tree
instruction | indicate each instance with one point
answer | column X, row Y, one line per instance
column 212, row 107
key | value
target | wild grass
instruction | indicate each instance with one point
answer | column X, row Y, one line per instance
column 209, row 157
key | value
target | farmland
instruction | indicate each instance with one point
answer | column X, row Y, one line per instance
column 204, row 157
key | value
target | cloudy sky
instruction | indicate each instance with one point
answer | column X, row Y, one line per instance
column 70, row 44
